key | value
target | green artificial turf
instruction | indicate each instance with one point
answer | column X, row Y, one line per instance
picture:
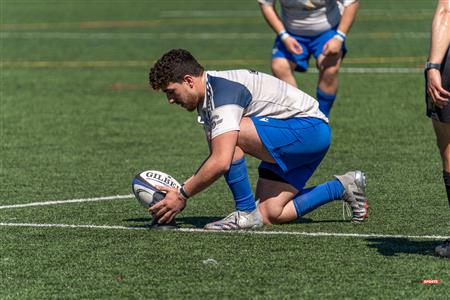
column 79, row 121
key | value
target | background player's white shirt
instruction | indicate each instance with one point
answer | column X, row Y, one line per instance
column 231, row 95
column 310, row 17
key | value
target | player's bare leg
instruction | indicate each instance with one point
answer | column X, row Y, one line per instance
column 274, row 196
column 250, row 142
column 442, row 131
column 245, row 216
column 276, row 205
column 284, row 70
column 328, row 72
column 327, row 85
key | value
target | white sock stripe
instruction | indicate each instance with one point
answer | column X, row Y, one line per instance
column 195, row 230
column 117, row 197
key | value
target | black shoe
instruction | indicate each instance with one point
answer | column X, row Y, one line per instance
column 444, row 249
column 167, row 226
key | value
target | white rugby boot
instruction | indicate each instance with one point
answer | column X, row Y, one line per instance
column 238, row 220
column 354, row 183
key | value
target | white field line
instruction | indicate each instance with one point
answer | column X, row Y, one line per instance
column 191, row 35
column 209, row 13
column 67, row 201
column 256, row 13
column 377, row 70
column 193, row 230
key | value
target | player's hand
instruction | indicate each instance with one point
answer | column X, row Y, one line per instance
column 333, row 47
column 292, row 45
column 169, row 207
column 435, row 89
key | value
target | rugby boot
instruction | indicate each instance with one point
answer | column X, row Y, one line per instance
column 354, row 183
column 238, row 220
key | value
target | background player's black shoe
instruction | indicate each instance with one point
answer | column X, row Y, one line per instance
column 444, row 249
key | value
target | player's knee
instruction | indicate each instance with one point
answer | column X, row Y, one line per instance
column 280, row 68
column 330, row 73
column 329, row 77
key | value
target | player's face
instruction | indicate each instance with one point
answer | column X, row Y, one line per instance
column 182, row 94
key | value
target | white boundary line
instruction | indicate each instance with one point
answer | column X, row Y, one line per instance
column 190, row 36
column 193, row 230
column 67, row 201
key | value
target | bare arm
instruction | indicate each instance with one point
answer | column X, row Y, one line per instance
column 272, row 18
column 440, row 32
column 334, row 46
column 440, row 40
column 348, row 17
column 274, row 21
column 222, row 151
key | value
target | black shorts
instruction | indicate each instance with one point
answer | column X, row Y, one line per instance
column 434, row 112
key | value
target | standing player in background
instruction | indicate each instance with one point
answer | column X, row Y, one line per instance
column 437, row 74
column 317, row 27
column 247, row 112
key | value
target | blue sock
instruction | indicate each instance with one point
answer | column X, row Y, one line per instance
column 313, row 197
column 325, row 101
column 237, row 180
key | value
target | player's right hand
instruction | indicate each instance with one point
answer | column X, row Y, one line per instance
column 169, row 207
column 435, row 90
column 292, row 45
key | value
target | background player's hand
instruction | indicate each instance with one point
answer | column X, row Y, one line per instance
column 435, row 90
column 167, row 209
column 292, row 45
column 333, row 47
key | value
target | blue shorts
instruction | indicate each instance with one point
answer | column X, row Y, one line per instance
column 297, row 145
column 310, row 45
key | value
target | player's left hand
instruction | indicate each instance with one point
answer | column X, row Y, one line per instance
column 435, row 90
column 169, row 207
column 333, row 47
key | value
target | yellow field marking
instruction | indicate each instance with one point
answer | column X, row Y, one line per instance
column 367, row 17
column 238, row 62
column 363, row 17
column 383, row 60
column 115, row 63
column 130, row 24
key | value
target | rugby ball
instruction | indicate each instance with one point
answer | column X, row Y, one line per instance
column 144, row 186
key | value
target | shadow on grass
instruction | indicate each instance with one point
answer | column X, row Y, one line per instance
column 391, row 247
column 198, row 222
column 311, row 221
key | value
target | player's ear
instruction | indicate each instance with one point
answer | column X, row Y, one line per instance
column 189, row 79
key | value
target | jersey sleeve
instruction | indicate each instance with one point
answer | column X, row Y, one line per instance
column 267, row 2
column 348, row 2
column 225, row 118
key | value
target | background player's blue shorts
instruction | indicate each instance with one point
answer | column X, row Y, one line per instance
column 310, row 45
column 298, row 145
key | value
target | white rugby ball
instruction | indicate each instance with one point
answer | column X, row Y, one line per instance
column 144, row 186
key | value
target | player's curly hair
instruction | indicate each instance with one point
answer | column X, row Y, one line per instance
column 172, row 67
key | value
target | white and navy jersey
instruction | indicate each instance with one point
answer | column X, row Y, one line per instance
column 232, row 95
column 310, row 17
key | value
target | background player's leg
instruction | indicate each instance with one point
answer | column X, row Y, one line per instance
column 328, row 81
column 284, row 70
column 442, row 131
